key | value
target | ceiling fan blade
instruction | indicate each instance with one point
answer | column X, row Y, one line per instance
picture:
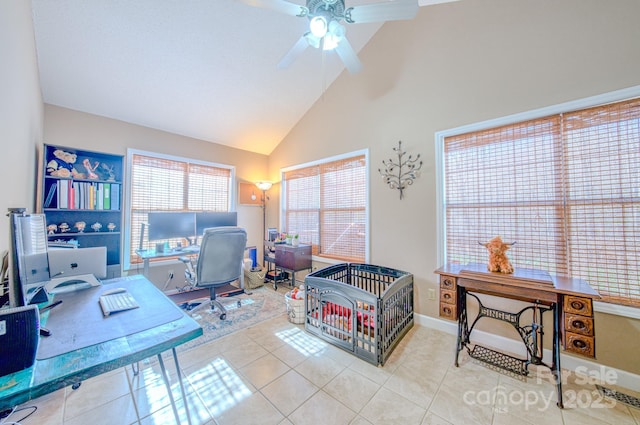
column 432, row 2
column 280, row 6
column 386, row 11
column 295, row 51
column 348, row 56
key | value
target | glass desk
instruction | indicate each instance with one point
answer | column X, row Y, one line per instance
column 82, row 361
column 151, row 254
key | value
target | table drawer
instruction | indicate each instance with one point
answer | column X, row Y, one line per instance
column 448, row 282
column 578, row 305
column 448, row 311
column 447, row 296
column 580, row 344
column 578, row 324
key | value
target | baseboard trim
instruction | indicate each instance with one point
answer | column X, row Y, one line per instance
column 584, row 366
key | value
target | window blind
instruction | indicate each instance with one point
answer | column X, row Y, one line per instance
column 565, row 188
column 326, row 205
column 165, row 184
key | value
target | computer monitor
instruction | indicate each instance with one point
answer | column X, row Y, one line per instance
column 28, row 264
column 171, row 225
column 66, row 262
column 204, row 220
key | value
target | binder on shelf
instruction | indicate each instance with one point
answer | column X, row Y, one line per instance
column 63, row 194
column 92, row 197
column 76, row 195
column 72, row 199
column 50, row 195
column 100, row 196
column 115, row 196
column 107, row 196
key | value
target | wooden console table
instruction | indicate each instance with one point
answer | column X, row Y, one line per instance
column 569, row 300
column 287, row 258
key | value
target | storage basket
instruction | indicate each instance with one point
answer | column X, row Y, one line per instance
column 361, row 308
column 253, row 280
column 295, row 309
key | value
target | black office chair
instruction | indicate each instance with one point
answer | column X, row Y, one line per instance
column 219, row 263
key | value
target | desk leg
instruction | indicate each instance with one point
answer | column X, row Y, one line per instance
column 557, row 371
column 168, row 385
column 184, row 395
column 145, row 267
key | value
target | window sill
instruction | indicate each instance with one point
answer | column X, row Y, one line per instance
column 618, row 310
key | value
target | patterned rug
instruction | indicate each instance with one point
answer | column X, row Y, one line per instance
column 259, row 304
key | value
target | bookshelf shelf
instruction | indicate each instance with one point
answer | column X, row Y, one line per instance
column 81, row 186
column 74, row 210
column 74, row 234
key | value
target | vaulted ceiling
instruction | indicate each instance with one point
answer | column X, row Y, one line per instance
column 200, row 68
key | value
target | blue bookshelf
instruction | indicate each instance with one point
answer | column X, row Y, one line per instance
column 82, row 194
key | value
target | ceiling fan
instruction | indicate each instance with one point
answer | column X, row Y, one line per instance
column 325, row 30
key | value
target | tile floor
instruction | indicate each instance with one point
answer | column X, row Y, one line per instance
column 276, row 373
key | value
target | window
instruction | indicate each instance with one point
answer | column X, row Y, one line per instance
column 326, row 204
column 565, row 188
column 165, row 183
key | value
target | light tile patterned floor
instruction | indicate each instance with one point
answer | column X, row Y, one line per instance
column 276, row 373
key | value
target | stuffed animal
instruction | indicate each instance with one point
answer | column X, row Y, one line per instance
column 62, row 165
column 498, row 261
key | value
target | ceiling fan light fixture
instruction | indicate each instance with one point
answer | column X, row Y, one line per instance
column 336, row 29
column 318, row 26
column 330, row 42
column 312, row 40
column 325, row 30
column 334, row 35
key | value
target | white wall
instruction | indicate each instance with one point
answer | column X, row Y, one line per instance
column 455, row 64
column 20, row 111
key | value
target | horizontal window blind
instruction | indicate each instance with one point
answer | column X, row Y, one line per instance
column 602, row 148
column 326, row 205
column 164, row 184
column 565, row 188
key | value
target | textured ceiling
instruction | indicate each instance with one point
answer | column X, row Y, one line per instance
column 199, row 68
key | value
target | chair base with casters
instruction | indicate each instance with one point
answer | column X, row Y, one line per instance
column 219, row 263
column 199, row 303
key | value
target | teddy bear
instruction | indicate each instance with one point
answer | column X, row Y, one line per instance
column 498, row 261
column 62, row 164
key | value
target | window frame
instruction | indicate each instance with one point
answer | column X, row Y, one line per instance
column 588, row 102
column 282, row 212
column 126, row 243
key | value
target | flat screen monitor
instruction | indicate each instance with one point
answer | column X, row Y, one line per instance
column 204, row 220
column 27, row 261
column 171, row 225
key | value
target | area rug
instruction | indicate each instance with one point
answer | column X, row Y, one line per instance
column 255, row 306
